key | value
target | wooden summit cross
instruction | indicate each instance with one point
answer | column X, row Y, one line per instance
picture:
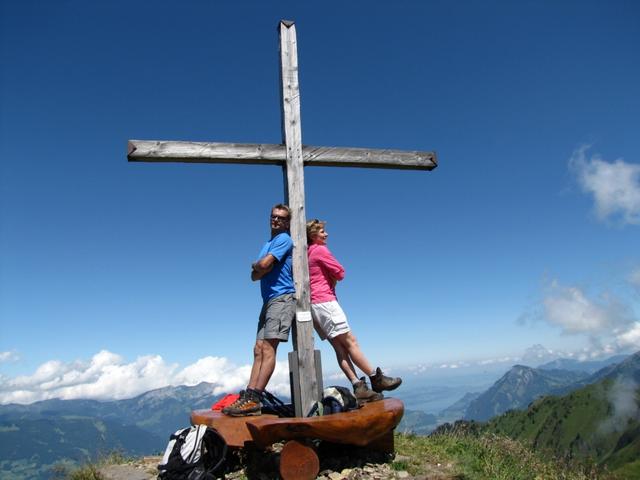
column 292, row 156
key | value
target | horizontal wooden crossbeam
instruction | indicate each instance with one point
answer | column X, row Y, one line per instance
column 266, row 154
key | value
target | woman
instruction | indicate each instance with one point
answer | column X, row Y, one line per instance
column 330, row 321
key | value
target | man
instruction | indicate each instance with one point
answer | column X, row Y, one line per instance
column 273, row 269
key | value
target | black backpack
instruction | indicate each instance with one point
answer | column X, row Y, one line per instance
column 338, row 399
column 195, row 453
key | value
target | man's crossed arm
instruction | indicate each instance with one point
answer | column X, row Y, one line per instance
column 262, row 267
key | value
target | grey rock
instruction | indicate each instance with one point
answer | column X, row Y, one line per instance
column 125, row 472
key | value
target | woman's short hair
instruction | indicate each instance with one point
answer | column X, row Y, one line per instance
column 313, row 228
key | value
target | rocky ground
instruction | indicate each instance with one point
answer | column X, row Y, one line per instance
column 336, row 463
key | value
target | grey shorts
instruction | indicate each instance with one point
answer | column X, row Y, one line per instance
column 276, row 318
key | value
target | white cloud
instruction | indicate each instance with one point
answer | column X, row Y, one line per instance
column 622, row 398
column 608, row 323
column 538, row 354
column 108, row 377
column 10, row 356
column 615, row 186
column 599, row 349
column 494, row 361
column 571, row 309
column 630, row 338
column 454, row 365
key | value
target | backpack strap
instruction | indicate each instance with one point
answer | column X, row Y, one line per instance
column 273, row 402
column 175, row 462
column 215, row 442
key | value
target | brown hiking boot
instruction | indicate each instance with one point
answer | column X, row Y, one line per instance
column 363, row 394
column 235, row 404
column 380, row 382
column 247, row 405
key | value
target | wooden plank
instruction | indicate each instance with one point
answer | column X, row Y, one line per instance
column 204, row 152
column 294, row 380
column 292, row 138
column 368, row 158
column 271, row 154
column 317, row 358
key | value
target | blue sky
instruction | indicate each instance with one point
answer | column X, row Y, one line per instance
column 117, row 277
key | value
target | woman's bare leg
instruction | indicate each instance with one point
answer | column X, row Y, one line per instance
column 356, row 355
column 342, row 355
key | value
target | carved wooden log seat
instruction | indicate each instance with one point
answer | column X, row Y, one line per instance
column 358, row 427
column 371, row 426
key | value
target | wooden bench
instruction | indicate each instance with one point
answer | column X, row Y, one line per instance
column 370, row 426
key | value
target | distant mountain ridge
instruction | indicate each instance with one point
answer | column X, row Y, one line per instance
column 34, row 437
column 458, row 409
column 522, row 384
column 588, row 366
column 517, row 388
column 71, row 437
column 153, row 411
column 417, row 422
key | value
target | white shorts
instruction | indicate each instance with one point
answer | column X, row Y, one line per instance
column 329, row 320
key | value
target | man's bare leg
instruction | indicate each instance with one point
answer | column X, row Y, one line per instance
column 264, row 363
column 257, row 363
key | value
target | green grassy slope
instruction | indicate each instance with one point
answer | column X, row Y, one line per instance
column 585, row 425
column 482, row 457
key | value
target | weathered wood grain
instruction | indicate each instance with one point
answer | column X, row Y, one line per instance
column 359, row 427
column 270, row 154
column 233, row 429
column 298, row 461
column 292, row 138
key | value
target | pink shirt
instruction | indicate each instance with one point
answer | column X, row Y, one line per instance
column 324, row 272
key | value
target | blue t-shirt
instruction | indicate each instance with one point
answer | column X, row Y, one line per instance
column 280, row 279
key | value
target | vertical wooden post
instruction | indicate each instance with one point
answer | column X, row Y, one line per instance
column 305, row 373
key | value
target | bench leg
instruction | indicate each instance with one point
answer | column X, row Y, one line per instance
column 383, row 444
column 298, row 461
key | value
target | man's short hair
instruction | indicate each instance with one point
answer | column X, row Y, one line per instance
column 282, row 206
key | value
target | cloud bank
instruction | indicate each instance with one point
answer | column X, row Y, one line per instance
column 615, row 186
column 622, row 398
column 108, row 377
column 607, row 321
column 574, row 312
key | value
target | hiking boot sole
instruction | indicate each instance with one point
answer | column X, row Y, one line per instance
column 245, row 414
column 388, row 388
column 375, row 398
